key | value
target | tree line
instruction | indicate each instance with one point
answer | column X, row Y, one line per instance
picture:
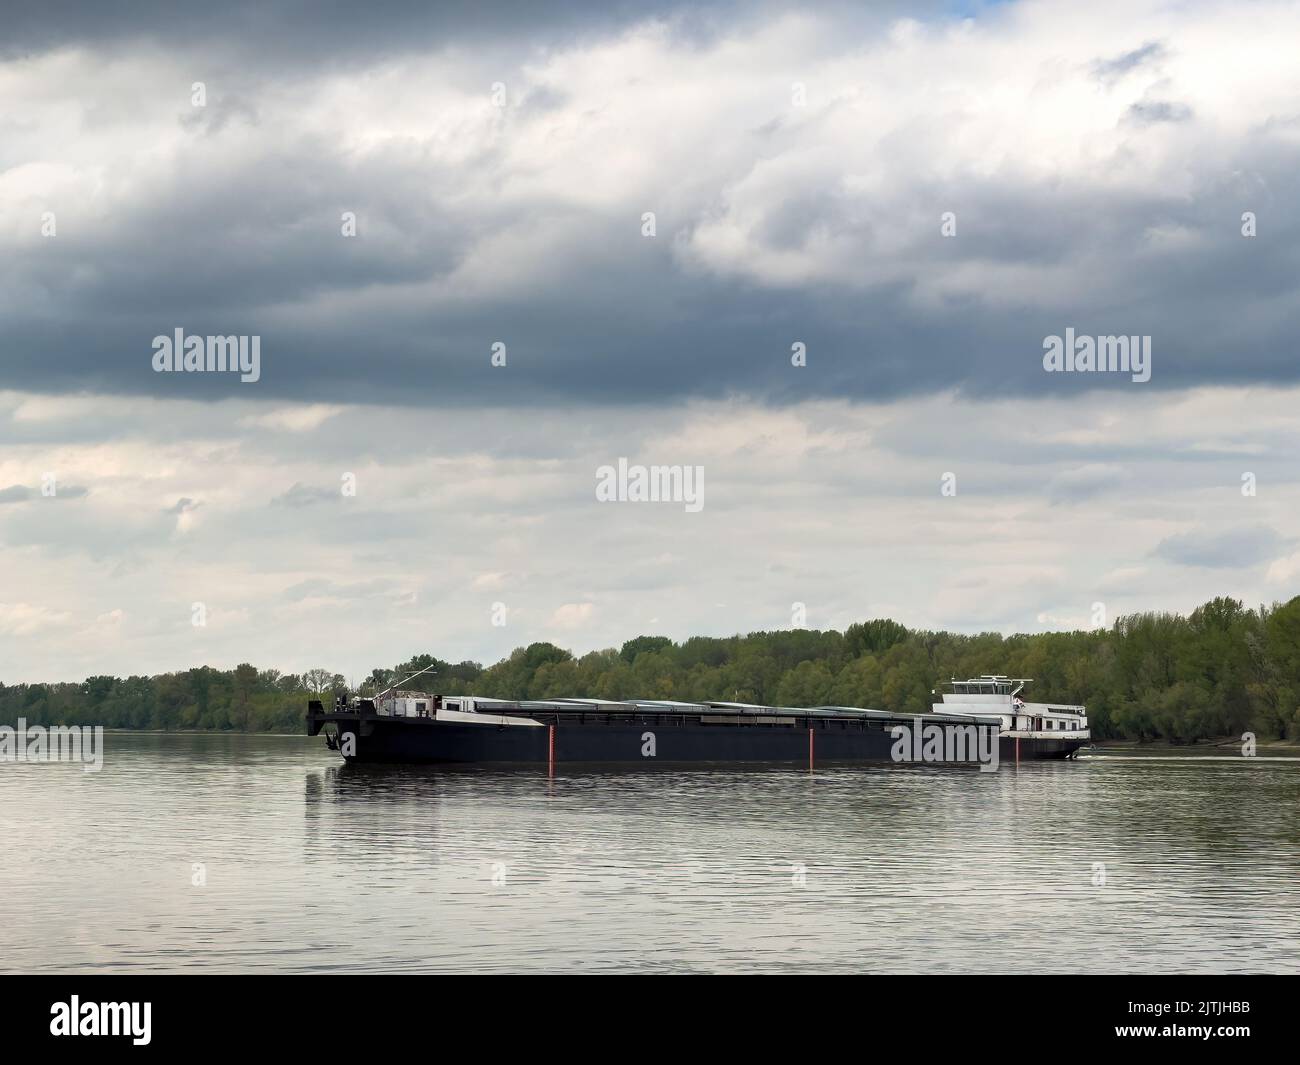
column 1219, row 671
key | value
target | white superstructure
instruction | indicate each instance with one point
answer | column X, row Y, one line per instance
column 463, row 708
column 995, row 695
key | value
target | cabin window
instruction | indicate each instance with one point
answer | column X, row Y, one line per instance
column 422, row 709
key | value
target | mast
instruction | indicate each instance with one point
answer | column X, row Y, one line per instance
column 426, row 669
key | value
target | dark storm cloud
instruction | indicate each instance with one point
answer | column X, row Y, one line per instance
column 620, row 322
column 238, row 233
column 338, row 31
column 323, row 29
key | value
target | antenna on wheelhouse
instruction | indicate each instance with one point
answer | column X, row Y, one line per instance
column 396, row 684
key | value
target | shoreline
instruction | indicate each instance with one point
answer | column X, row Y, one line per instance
column 1221, row 744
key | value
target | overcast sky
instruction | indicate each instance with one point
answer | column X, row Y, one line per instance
column 918, row 195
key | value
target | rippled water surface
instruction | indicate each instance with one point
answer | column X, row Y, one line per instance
column 311, row 866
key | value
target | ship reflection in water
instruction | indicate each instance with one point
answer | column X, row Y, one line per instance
column 1104, row 864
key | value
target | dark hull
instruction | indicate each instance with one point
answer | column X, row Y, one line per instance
column 1031, row 750
column 405, row 740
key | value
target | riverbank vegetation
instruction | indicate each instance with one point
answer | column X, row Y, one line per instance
column 1220, row 671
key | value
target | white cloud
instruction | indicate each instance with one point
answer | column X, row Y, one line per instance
column 294, row 419
column 27, row 619
column 572, row 615
column 453, row 511
column 1285, row 571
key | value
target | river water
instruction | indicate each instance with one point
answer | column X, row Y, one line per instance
column 232, row 853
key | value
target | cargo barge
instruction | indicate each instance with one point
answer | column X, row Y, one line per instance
column 981, row 722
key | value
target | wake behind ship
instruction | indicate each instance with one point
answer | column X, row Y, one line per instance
column 979, row 719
